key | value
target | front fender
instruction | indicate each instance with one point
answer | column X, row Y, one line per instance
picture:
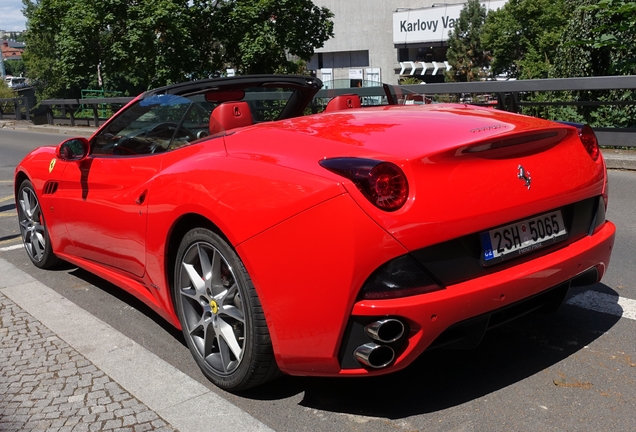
column 39, row 167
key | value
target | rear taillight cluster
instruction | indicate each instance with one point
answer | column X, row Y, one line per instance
column 590, row 142
column 382, row 183
column 588, row 138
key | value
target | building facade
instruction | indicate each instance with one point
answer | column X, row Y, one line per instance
column 382, row 41
column 11, row 50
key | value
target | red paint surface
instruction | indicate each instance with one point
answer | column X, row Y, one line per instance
column 308, row 237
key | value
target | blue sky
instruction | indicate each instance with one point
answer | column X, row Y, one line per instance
column 11, row 18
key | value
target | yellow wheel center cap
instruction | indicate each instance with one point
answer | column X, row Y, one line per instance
column 214, row 306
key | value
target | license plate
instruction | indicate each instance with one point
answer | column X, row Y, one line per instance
column 522, row 237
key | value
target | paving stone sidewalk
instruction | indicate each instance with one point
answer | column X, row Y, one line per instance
column 46, row 385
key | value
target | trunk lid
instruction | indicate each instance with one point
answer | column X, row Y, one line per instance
column 465, row 165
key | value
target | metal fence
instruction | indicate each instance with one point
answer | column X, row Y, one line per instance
column 14, row 107
column 506, row 95
column 73, row 111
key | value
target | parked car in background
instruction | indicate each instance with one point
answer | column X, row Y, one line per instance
column 345, row 242
column 16, row 82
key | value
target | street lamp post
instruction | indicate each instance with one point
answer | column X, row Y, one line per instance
column 3, row 73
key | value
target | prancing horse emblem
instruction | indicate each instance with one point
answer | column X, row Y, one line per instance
column 524, row 176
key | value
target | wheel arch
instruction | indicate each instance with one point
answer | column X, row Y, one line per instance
column 260, row 364
column 176, row 233
column 19, row 178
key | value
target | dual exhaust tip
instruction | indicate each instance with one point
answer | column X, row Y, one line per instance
column 385, row 331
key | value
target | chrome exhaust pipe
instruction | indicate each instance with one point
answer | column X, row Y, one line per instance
column 373, row 355
column 387, row 330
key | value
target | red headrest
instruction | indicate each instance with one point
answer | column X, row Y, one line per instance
column 231, row 115
column 343, row 102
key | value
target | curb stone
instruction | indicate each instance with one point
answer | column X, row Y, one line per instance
column 48, row 385
column 49, row 331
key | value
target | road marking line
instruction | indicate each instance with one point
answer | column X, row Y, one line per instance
column 7, row 198
column 6, row 181
column 8, row 214
column 605, row 303
column 10, row 248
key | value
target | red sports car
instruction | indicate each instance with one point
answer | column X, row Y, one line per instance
column 345, row 242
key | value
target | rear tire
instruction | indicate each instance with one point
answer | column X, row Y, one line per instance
column 35, row 235
column 220, row 313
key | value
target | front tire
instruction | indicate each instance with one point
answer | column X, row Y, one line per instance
column 220, row 313
column 35, row 235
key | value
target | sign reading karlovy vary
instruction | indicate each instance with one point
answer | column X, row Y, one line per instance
column 431, row 24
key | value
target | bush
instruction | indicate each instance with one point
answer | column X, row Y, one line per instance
column 5, row 91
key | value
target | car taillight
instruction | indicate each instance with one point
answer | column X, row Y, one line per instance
column 382, row 183
column 588, row 138
column 605, row 192
column 590, row 142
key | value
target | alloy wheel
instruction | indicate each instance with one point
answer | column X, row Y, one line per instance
column 31, row 225
column 212, row 307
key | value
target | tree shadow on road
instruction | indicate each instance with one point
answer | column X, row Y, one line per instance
column 127, row 298
column 441, row 379
column 7, row 207
column 438, row 379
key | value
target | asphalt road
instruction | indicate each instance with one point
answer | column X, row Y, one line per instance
column 571, row 371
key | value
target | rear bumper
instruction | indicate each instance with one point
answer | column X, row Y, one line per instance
column 428, row 316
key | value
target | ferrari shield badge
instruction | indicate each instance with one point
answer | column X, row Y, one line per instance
column 52, row 165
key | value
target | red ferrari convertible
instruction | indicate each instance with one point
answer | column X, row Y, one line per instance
column 335, row 243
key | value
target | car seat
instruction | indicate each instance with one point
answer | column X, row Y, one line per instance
column 342, row 102
column 230, row 115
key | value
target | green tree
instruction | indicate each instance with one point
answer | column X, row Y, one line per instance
column 606, row 35
column 116, row 44
column 14, row 67
column 40, row 55
column 5, row 91
column 130, row 46
column 523, row 35
column 599, row 40
column 259, row 36
column 618, row 24
column 465, row 52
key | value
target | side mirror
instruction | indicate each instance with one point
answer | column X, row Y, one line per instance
column 73, row 149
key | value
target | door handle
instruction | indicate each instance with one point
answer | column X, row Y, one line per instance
column 142, row 197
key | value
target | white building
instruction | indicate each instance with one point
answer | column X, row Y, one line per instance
column 383, row 40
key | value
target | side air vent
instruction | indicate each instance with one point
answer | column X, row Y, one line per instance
column 50, row 187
